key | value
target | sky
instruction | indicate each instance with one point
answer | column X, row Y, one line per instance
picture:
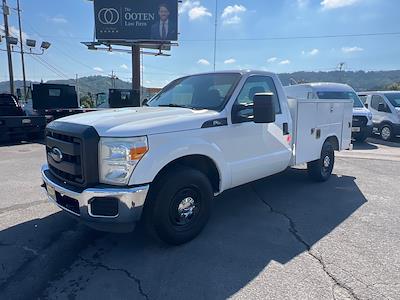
column 252, row 34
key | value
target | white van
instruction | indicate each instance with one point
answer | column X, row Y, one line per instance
column 385, row 107
column 362, row 117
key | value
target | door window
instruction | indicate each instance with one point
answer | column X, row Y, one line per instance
column 255, row 85
column 376, row 100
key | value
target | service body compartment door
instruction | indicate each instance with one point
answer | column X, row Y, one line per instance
column 307, row 145
column 347, row 125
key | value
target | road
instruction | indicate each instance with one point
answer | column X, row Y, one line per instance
column 282, row 237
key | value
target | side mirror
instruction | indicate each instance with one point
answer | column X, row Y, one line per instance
column 381, row 107
column 264, row 108
column 366, row 105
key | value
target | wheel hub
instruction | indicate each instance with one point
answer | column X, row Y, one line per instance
column 327, row 161
column 385, row 133
column 186, row 208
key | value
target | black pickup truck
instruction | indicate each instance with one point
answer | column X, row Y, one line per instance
column 14, row 123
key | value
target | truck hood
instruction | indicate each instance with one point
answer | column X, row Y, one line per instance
column 138, row 121
column 361, row 111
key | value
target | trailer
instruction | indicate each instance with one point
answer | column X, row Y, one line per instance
column 14, row 123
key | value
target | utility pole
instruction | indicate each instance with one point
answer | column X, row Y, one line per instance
column 77, row 88
column 215, row 32
column 22, row 50
column 6, row 12
column 136, row 68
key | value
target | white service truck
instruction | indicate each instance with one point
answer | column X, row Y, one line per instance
column 201, row 135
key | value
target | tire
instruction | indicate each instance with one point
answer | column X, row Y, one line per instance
column 320, row 170
column 386, row 133
column 179, row 206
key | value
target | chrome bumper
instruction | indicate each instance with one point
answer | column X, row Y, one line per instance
column 130, row 204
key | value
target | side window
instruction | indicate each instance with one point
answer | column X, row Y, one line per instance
column 376, row 100
column 363, row 98
column 255, row 85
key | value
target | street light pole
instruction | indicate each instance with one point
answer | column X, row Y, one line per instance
column 215, row 32
column 22, row 50
column 6, row 12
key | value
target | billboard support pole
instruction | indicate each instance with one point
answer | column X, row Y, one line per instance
column 136, row 67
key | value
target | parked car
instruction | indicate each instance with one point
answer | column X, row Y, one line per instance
column 385, row 108
column 362, row 117
column 201, row 135
column 14, row 123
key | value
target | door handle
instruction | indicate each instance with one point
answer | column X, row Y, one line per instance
column 285, row 129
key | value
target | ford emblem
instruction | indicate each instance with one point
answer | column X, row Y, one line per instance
column 56, row 155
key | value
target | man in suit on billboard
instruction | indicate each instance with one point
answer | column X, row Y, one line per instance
column 165, row 29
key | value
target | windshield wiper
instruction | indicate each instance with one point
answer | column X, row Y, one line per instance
column 174, row 105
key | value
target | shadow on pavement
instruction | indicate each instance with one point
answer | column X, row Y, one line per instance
column 395, row 142
column 251, row 226
column 365, row 146
column 16, row 142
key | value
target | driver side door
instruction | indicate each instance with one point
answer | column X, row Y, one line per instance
column 257, row 150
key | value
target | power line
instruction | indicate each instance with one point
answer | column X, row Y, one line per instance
column 296, row 37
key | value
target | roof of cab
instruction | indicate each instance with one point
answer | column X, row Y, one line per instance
column 241, row 72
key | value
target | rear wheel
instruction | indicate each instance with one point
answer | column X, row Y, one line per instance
column 321, row 169
column 386, row 132
column 179, row 205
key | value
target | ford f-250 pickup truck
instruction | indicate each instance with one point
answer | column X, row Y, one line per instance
column 201, row 135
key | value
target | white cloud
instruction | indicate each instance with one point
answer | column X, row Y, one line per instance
column 58, row 20
column 332, row 4
column 14, row 31
column 230, row 61
column 98, row 69
column 203, row 62
column 285, row 62
column 194, row 9
column 231, row 14
column 124, row 66
column 312, row 52
column 272, row 59
column 352, row 49
column 199, row 12
column 302, row 3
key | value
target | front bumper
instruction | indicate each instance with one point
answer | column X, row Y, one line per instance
column 130, row 203
column 364, row 131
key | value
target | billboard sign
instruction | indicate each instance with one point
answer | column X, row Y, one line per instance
column 136, row 20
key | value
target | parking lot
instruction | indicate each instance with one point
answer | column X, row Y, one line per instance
column 283, row 237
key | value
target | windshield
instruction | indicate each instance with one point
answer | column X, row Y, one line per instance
column 394, row 99
column 341, row 95
column 207, row 91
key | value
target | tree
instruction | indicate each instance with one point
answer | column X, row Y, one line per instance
column 393, row 87
column 87, row 102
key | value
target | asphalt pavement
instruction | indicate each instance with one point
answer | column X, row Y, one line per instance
column 282, row 237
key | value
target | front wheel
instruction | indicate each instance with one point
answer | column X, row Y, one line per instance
column 180, row 205
column 321, row 169
column 386, row 133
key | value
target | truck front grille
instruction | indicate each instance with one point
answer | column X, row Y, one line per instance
column 78, row 145
column 70, row 169
column 360, row 121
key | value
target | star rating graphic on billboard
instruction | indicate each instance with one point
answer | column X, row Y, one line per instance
column 136, row 20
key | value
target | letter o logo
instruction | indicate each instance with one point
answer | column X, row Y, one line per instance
column 108, row 16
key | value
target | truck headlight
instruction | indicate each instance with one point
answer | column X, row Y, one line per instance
column 118, row 157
